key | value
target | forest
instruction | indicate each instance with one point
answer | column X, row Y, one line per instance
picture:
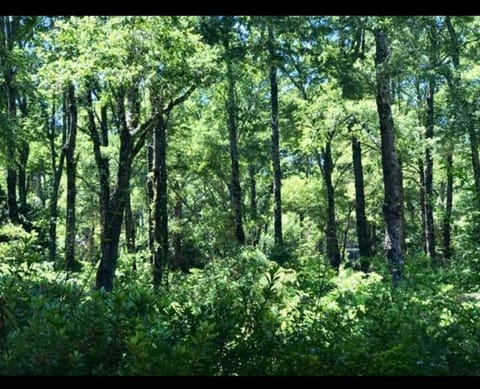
column 239, row 195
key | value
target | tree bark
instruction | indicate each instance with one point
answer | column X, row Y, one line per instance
column 71, row 168
column 326, row 166
column 447, row 247
column 23, row 153
column 7, row 32
column 115, row 211
column 364, row 243
column 150, row 197
column 256, row 229
column 421, row 169
column 277, row 172
column 235, row 189
column 160, row 259
column 129, row 225
column 429, row 227
column 392, row 207
column 179, row 261
column 55, row 185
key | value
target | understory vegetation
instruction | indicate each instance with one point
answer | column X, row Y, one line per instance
column 240, row 315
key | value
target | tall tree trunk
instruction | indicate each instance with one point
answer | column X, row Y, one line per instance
column 429, row 227
column 23, row 153
column 403, row 223
column 129, row 225
column 235, row 189
column 475, row 161
column 421, row 169
column 392, row 207
column 160, row 259
column 326, row 166
column 7, row 33
column 114, row 214
column 256, row 229
column 55, row 185
column 150, row 197
column 447, row 247
column 11, row 152
column 277, row 172
column 364, row 243
column 71, row 168
column 453, row 85
column 178, row 258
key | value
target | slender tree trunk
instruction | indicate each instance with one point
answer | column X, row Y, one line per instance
column 475, row 161
column 364, row 243
column 7, row 32
column 160, row 204
column 326, row 166
column 71, row 168
column 256, row 229
column 429, row 228
column 421, row 169
column 178, row 258
column 114, row 214
column 235, row 189
column 392, row 208
column 402, row 232
column 55, row 185
column 453, row 85
column 150, row 198
column 100, row 139
column 277, row 172
column 23, row 153
column 447, row 247
column 11, row 153
column 129, row 226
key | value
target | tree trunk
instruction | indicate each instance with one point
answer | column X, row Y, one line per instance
column 55, row 185
column 150, row 197
column 178, row 258
column 235, row 189
column 7, row 43
column 129, row 225
column 326, row 166
column 277, row 172
column 403, row 223
column 11, row 154
column 429, row 227
column 364, row 243
column 23, row 153
column 114, row 214
column 453, row 85
column 69, row 151
column 160, row 259
column 100, row 139
column 475, row 161
column 392, row 207
column 447, row 248
column 256, row 229
column 421, row 169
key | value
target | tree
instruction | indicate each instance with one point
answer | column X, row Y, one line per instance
column 392, row 207
column 277, row 171
column 71, row 168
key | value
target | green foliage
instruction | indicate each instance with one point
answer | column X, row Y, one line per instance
column 241, row 315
